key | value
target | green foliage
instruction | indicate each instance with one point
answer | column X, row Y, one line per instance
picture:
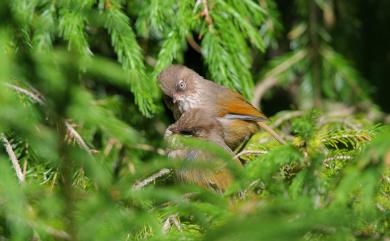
column 81, row 126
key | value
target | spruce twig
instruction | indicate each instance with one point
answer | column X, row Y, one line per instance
column 33, row 96
column 250, row 152
column 38, row 98
column 71, row 133
column 14, row 159
column 140, row 184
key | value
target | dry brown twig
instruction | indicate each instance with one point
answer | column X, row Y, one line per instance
column 271, row 78
column 206, row 13
column 194, row 44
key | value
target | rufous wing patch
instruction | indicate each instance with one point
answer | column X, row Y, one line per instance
column 234, row 106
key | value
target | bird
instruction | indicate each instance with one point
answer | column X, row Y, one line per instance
column 199, row 124
column 184, row 89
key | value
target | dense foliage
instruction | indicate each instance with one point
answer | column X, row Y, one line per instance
column 82, row 123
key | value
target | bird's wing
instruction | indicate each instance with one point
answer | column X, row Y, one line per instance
column 234, row 106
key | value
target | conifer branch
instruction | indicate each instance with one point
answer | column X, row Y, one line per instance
column 71, row 132
column 130, row 56
column 337, row 157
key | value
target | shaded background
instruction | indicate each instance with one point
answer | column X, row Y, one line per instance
column 361, row 33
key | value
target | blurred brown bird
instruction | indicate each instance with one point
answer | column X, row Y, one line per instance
column 186, row 90
column 199, row 124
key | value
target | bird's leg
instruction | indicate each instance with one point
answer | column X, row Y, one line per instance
column 271, row 132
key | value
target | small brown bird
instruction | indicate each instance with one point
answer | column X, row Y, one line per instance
column 186, row 90
column 199, row 124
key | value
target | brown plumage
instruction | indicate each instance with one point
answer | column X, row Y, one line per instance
column 199, row 124
column 187, row 90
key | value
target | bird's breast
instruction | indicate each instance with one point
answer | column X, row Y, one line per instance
column 189, row 103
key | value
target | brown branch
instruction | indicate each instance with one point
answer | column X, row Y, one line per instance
column 140, row 184
column 271, row 78
column 107, row 4
column 206, row 13
column 194, row 44
column 272, row 132
column 14, row 159
column 261, row 88
column 315, row 56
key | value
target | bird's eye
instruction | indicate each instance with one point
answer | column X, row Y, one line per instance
column 181, row 85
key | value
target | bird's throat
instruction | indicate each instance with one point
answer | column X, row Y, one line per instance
column 188, row 103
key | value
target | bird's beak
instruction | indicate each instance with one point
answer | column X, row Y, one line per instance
column 174, row 98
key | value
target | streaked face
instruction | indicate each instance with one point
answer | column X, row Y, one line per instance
column 176, row 81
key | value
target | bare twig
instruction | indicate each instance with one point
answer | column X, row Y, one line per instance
column 271, row 78
column 73, row 134
column 205, row 13
column 271, row 132
column 14, row 159
column 286, row 117
column 315, row 55
column 146, row 181
column 261, row 88
column 249, row 152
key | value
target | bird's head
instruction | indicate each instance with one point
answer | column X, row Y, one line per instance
column 178, row 82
